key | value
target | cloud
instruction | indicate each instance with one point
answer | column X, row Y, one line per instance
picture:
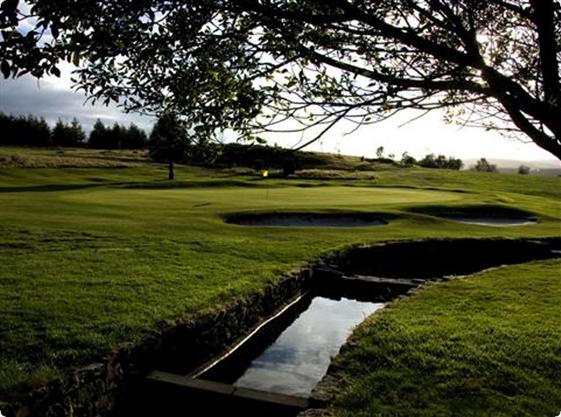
column 53, row 99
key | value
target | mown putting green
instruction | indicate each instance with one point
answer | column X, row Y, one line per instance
column 87, row 261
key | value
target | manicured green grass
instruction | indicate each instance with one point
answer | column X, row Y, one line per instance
column 91, row 257
column 488, row 345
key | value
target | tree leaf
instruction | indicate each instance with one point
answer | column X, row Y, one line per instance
column 5, row 67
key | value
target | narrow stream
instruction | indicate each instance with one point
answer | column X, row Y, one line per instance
column 273, row 371
column 298, row 358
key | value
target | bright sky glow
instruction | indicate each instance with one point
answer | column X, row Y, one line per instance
column 53, row 98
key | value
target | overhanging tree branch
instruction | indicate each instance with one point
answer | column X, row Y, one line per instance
column 225, row 64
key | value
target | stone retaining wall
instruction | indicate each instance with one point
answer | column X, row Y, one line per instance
column 104, row 389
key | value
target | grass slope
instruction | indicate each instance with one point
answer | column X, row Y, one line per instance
column 93, row 256
column 488, row 345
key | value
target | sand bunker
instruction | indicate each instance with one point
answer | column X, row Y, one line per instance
column 309, row 220
column 492, row 221
column 482, row 215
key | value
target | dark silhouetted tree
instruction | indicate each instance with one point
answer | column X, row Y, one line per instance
column 69, row 135
column 99, row 136
column 117, row 137
column 407, row 159
column 441, row 161
column 168, row 142
column 135, row 138
column 524, row 170
column 77, row 133
column 484, row 166
column 24, row 130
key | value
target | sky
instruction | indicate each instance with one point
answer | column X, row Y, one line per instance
column 53, row 98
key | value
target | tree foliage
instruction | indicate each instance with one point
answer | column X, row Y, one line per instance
column 169, row 141
column 117, row 137
column 441, row 161
column 68, row 135
column 249, row 65
column 24, row 130
column 483, row 165
column 524, row 170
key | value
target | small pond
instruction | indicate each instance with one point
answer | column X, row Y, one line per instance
column 308, row 219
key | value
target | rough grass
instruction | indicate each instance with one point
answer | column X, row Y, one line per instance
column 91, row 257
column 12, row 156
column 488, row 345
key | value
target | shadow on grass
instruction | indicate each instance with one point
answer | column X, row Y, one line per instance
column 333, row 218
column 189, row 184
column 128, row 185
column 48, row 188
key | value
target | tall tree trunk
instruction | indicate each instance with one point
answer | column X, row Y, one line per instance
column 171, row 174
column 544, row 19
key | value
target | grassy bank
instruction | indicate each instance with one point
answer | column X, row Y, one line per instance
column 488, row 345
column 92, row 256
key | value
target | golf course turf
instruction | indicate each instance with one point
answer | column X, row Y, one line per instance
column 94, row 256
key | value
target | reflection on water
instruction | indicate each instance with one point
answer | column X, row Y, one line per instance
column 300, row 356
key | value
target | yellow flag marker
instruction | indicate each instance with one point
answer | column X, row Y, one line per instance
column 265, row 174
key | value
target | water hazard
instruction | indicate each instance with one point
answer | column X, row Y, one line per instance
column 298, row 357
column 274, row 369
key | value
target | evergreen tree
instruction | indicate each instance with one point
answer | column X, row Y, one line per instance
column 135, row 138
column 71, row 135
column 24, row 130
column 77, row 135
column 118, row 137
column 98, row 136
column 60, row 133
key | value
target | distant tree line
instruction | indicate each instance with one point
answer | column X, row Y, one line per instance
column 24, row 130
column 441, row 161
column 35, row 131
column 429, row 161
column 433, row 161
column 117, row 137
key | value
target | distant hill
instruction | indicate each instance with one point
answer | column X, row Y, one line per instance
column 548, row 168
column 270, row 157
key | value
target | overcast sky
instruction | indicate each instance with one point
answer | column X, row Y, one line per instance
column 53, row 98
